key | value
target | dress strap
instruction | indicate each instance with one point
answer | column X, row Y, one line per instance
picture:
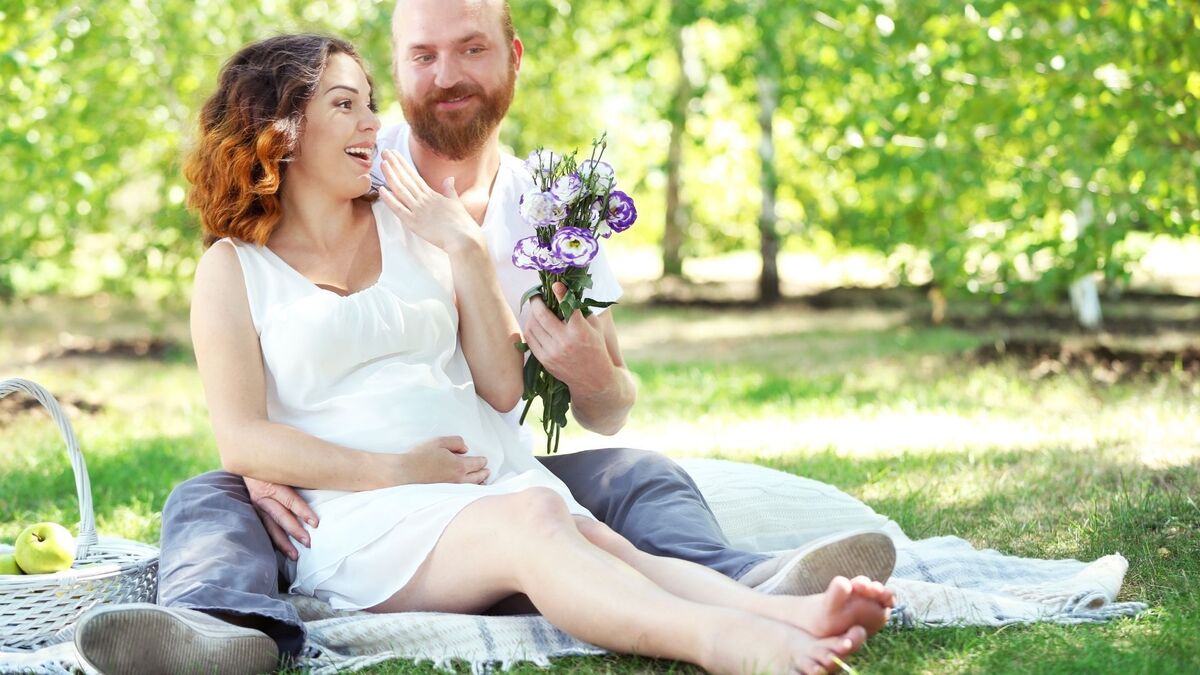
column 267, row 286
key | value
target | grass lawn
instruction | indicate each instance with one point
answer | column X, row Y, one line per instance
column 1008, row 453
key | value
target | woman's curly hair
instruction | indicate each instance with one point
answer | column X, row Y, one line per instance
column 248, row 130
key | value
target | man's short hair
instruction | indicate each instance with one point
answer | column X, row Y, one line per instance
column 506, row 21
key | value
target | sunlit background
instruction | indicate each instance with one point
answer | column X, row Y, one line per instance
column 994, row 149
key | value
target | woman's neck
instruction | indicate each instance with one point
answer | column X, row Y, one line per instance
column 311, row 217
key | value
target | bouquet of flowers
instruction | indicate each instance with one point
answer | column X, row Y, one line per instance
column 571, row 207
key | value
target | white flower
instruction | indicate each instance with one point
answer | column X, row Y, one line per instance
column 567, row 189
column 541, row 161
column 539, row 208
column 603, row 172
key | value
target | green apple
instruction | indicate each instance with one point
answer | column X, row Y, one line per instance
column 45, row 547
column 8, row 564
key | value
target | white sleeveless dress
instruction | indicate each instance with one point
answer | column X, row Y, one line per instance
column 380, row 371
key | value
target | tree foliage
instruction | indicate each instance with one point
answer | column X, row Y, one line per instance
column 993, row 147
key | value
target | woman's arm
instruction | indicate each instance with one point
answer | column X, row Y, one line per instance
column 231, row 368
column 487, row 330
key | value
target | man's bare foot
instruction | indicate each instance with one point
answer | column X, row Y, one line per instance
column 846, row 603
column 764, row 646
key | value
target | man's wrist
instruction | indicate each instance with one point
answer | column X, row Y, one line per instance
column 595, row 383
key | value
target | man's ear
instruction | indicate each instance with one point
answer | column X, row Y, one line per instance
column 518, row 50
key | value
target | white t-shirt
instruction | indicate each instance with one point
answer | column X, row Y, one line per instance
column 502, row 228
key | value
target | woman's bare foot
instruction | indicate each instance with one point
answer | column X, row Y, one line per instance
column 764, row 646
column 868, row 588
column 846, row 603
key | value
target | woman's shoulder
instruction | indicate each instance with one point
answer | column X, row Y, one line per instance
column 219, row 260
column 219, row 267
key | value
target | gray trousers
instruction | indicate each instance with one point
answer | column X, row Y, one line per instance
column 217, row 558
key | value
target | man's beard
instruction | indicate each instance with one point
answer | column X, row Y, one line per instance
column 458, row 134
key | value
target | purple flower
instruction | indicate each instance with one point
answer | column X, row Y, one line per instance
column 539, row 208
column 602, row 170
column 621, row 211
column 525, row 254
column 548, row 262
column 574, row 246
column 567, row 189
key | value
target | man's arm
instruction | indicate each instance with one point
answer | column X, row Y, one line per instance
column 585, row 355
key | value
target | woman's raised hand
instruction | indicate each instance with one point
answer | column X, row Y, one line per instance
column 439, row 218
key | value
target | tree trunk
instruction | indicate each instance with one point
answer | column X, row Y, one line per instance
column 768, row 100
column 675, row 225
column 1085, row 298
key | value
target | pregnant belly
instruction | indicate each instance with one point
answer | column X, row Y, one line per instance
column 396, row 421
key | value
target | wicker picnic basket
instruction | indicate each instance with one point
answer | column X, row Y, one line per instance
column 41, row 609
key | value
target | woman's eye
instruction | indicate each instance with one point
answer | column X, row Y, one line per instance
column 346, row 104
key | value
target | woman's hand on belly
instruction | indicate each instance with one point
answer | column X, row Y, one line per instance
column 440, row 460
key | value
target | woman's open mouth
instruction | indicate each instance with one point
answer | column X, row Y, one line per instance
column 363, row 154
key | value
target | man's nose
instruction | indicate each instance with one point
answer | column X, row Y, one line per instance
column 448, row 72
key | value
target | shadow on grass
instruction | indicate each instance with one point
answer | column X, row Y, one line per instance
column 1047, row 504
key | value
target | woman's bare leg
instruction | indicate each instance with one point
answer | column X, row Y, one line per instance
column 846, row 603
column 529, row 543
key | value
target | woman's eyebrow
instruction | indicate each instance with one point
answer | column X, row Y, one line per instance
column 341, row 86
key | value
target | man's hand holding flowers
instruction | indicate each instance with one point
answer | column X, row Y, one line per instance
column 575, row 362
column 574, row 351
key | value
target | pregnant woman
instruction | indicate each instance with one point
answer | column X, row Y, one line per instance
column 359, row 347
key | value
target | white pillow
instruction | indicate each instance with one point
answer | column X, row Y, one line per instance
column 762, row 509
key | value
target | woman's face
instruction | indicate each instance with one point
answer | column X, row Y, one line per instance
column 337, row 141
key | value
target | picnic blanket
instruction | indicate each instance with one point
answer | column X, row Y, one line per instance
column 940, row 581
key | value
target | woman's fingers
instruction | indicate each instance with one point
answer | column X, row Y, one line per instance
column 404, row 175
column 477, row 477
column 394, row 204
column 396, row 184
column 409, row 174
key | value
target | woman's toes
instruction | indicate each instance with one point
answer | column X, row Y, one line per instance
column 814, row 669
column 889, row 597
column 839, row 589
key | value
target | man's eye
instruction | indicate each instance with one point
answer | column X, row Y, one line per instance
column 475, row 50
